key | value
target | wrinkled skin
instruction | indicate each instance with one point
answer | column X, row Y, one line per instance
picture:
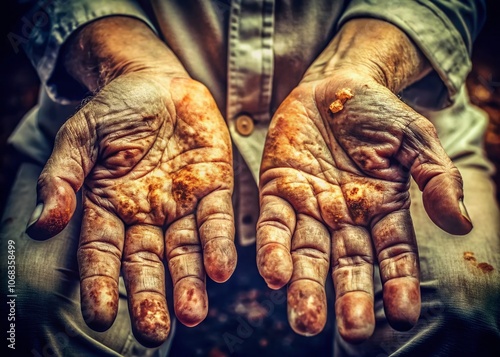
column 334, row 194
column 154, row 157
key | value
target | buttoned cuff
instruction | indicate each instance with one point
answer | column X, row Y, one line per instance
column 436, row 36
column 61, row 18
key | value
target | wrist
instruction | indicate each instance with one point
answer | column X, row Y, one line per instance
column 372, row 48
column 112, row 46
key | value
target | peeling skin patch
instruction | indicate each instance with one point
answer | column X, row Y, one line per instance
column 342, row 96
column 483, row 267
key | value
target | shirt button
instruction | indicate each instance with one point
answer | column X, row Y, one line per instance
column 244, row 125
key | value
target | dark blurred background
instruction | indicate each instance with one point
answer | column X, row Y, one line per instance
column 245, row 317
column 18, row 90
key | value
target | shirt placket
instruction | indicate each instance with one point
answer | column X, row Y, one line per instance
column 249, row 92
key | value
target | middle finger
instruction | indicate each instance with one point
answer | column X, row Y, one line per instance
column 144, row 276
column 352, row 272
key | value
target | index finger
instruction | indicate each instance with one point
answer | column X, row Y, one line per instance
column 215, row 221
column 144, row 275
column 275, row 227
column 352, row 273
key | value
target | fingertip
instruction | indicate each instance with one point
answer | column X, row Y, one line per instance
column 190, row 301
column 355, row 316
column 99, row 302
column 446, row 211
column 402, row 302
column 448, row 215
column 275, row 265
column 160, row 336
column 151, row 321
column 307, row 310
column 52, row 213
column 219, row 258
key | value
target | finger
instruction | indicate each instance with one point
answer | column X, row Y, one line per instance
column 352, row 272
column 61, row 178
column 185, row 262
column 307, row 309
column 274, row 234
column 215, row 222
column 144, row 276
column 437, row 177
column 99, row 256
column 396, row 248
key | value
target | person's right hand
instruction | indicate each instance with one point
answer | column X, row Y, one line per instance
column 153, row 155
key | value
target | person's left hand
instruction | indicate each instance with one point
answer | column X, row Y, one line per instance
column 334, row 192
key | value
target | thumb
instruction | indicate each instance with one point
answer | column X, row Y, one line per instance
column 443, row 202
column 437, row 177
column 61, row 178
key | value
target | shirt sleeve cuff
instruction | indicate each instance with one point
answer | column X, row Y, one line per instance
column 63, row 19
column 436, row 36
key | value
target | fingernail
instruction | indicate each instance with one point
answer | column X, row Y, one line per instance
column 37, row 212
column 463, row 210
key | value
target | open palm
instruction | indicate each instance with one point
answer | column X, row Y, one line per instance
column 334, row 193
column 154, row 157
